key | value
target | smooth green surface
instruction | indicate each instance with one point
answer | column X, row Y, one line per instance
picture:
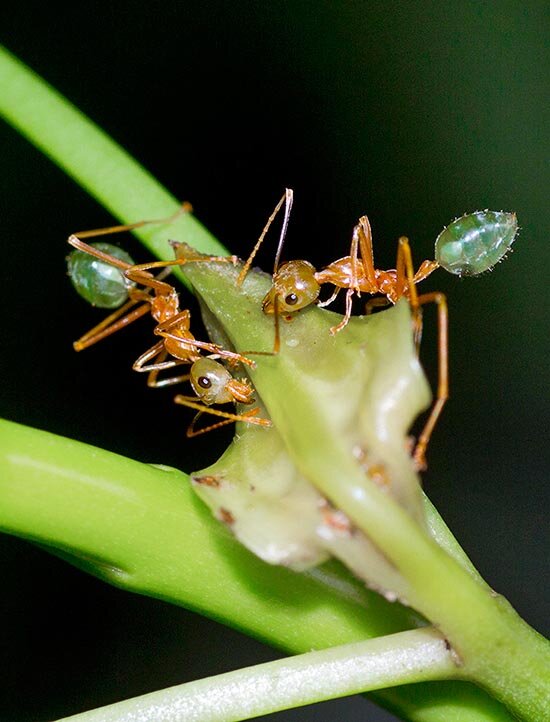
column 292, row 682
column 141, row 528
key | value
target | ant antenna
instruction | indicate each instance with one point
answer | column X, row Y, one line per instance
column 288, row 198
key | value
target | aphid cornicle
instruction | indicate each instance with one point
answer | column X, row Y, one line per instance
column 475, row 242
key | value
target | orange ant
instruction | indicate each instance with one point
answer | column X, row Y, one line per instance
column 213, row 384
column 161, row 300
column 211, row 381
column 296, row 284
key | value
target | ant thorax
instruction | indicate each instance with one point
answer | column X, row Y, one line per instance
column 165, row 306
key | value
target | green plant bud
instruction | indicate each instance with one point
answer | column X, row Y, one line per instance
column 361, row 389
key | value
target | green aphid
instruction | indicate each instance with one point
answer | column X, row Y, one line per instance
column 475, row 242
column 98, row 282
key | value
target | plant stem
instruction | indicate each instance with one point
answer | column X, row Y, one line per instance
column 93, row 160
column 142, row 529
column 403, row 658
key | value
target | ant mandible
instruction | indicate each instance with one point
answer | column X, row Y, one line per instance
column 213, row 384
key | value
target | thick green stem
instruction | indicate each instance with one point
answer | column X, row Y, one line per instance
column 415, row 656
column 141, row 528
column 478, row 623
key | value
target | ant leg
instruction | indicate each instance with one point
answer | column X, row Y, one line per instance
column 154, row 369
column 163, row 329
column 363, row 229
column 344, row 322
column 191, row 432
column 323, row 304
column 405, row 283
column 141, row 364
column 111, row 325
column 373, row 303
column 145, row 279
column 287, row 198
column 74, row 241
column 424, row 270
column 443, row 375
column 277, row 338
column 249, row 416
column 94, row 233
column 139, row 272
column 364, row 234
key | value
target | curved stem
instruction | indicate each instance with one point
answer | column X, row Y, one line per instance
column 414, row 656
column 93, row 160
column 142, row 529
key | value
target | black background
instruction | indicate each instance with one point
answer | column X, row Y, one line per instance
column 411, row 112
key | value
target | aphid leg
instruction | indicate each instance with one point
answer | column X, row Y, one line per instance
column 372, row 303
column 287, row 198
column 443, row 375
column 112, row 324
column 95, row 232
column 248, row 417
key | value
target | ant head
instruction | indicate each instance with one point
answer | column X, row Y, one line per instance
column 295, row 286
column 210, row 380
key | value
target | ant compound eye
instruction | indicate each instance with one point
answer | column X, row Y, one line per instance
column 204, row 382
column 291, row 299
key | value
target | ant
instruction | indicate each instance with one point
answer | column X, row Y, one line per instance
column 213, row 384
column 210, row 380
column 161, row 300
column 296, row 284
